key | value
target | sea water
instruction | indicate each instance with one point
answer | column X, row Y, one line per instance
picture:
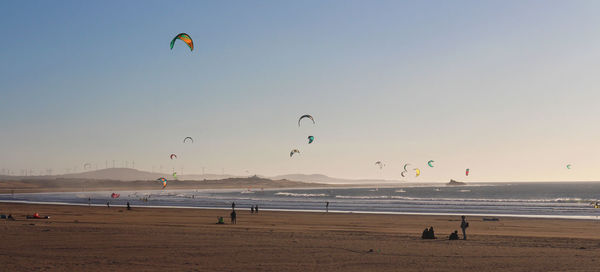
column 552, row 200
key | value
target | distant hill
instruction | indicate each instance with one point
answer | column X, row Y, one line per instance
column 121, row 174
column 129, row 174
column 82, row 185
column 455, row 183
column 318, row 178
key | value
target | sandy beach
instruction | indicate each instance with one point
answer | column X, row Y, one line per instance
column 81, row 238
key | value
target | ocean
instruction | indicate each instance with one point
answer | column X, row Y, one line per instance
column 551, row 200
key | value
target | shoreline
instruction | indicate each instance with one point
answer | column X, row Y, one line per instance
column 526, row 216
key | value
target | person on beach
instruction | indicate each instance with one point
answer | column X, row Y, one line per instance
column 128, row 207
column 454, row 235
column 108, row 204
column 431, row 233
column 233, row 205
column 463, row 226
column 89, row 201
column 220, row 220
column 327, row 206
column 233, row 217
column 425, row 234
column 256, row 208
column 251, row 208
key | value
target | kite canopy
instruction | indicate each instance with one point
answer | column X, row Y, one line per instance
column 164, row 181
column 380, row 164
column 568, row 166
column 467, row 172
column 406, row 165
column 188, row 139
column 185, row 38
column 403, row 174
column 430, row 163
column 311, row 139
column 87, row 165
column 294, row 151
column 174, row 175
column 417, row 172
column 113, row 195
column 306, row 116
column 173, row 156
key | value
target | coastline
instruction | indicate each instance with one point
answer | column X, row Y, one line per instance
column 495, row 215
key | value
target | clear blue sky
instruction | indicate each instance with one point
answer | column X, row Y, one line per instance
column 508, row 89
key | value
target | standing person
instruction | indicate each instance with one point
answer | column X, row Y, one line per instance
column 464, row 225
column 256, row 208
column 233, row 217
column 128, row 207
column 108, row 204
column 89, row 201
column 233, row 205
column 251, row 208
column 327, row 206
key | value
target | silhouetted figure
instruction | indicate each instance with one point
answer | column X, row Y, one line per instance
column 251, row 208
column 425, row 234
column 220, row 220
column 256, row 208
column 463, row 226
column 453, row 236
column 10, row 217
column 128, row 206
column 428, row 233
column 108, row 204
column 89, row 201
column 233, row 205
column 233, row 217
column 327, row 206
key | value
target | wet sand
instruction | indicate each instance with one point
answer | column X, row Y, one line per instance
column 80, row 238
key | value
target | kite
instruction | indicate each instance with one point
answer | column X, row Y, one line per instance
column 406, row 165
column 113, row 195
column 569, row 166
column 185, row 38
column 188, row 139
column 380, row 164
column 467, row 172
column 87, row 165
column 430, row 163
column 403, row 174
column 306, row 116
column 164, row 182
column 294, row 151
column 173, row 156
column 311, row 139
column 417, row 172
column 175, row 175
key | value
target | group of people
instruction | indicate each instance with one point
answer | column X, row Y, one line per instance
column 233, row 214
column 428, row 233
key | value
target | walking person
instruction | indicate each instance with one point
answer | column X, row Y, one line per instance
column 327, row 206
column 233, row 205
column 251, row 208
column 463, row 226
column 256, row 208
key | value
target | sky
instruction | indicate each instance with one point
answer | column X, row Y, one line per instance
column 507, row 89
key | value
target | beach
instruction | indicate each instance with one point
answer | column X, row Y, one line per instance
column 81, row 238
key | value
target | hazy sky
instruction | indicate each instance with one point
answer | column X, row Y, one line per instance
column 508, row 89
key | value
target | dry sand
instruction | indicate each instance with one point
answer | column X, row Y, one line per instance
column 79, row 238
